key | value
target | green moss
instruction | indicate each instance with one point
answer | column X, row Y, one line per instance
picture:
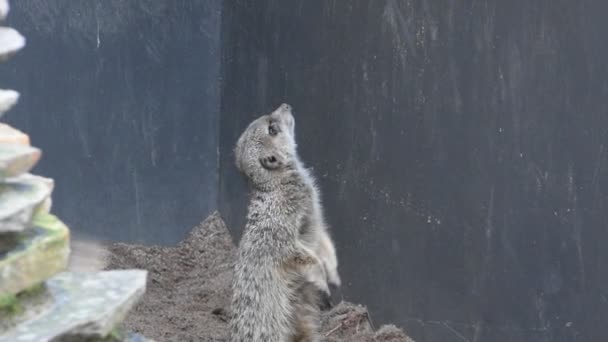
column 53, row 226
column 10, row 305
column 48, row 221
column 32, row 291
column 115, row 334
column 36, row 255
column 7, row 300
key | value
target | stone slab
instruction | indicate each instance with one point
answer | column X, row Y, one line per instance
column 11, row 41
column 27, row 304
column 34, row 255
column 121, row 337
column 8, row 98
column 17, row 159
column 133, row 337
column 4, row 9
column 11, row 135
column 87, row 305
column 20, row 197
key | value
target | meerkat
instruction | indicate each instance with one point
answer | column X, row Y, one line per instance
column 274, row 290
column 315, row 233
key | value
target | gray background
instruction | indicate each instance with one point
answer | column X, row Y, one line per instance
column 460, row 146
column 123, row 99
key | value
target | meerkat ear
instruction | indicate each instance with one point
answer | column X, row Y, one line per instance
column 271, row 162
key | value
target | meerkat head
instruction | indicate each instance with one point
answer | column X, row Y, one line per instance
column 267, row 147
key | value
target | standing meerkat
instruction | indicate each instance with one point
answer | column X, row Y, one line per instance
column 278, row 269
column 315, row 232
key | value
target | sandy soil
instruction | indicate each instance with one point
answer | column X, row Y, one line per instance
column 188, row 292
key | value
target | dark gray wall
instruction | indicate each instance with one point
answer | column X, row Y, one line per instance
column 461, row 147
column 123, row 98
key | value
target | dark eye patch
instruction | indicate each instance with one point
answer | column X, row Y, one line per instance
column 273, row 129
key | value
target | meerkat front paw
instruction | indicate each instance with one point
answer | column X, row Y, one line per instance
column 333, row 278
column 327, row 253
column 312, row 268
column 319, row 282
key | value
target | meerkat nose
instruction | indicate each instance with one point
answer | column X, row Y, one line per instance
column 285, row 112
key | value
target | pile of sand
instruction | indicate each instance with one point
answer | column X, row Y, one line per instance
column 189, row 291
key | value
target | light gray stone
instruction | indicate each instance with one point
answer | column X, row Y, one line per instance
column 20, row 197
column 17, row 159
column 4, row 8
column 11, row 41
column 132, row 337
column 84, row 304
column 119, row 336
column 30, row 257
column 16, row 309
column 11, row 135
column 8, row 98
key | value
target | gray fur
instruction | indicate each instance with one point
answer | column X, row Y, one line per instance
column 315, row 235
column 283, row 256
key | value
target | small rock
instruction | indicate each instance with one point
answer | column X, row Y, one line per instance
column 45, row 206
column 20, row 197
column 4, row 8
column 11, row 41
column 117, row 336
column 34, row 255
column 17, row 159
column 8, row 98
column 85, row 304
column 12, row 135
column 391, row 333
column 19, row 308
column 132, row 337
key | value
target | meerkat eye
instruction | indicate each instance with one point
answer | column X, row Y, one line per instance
column 272, row 129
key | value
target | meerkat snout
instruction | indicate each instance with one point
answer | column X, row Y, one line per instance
column 285, row 112
column 285, row 107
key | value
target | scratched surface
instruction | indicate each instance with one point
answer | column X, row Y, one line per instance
column 123, row 99
column 461, row 147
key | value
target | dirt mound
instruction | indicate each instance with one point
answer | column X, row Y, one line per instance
column 188, row 291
